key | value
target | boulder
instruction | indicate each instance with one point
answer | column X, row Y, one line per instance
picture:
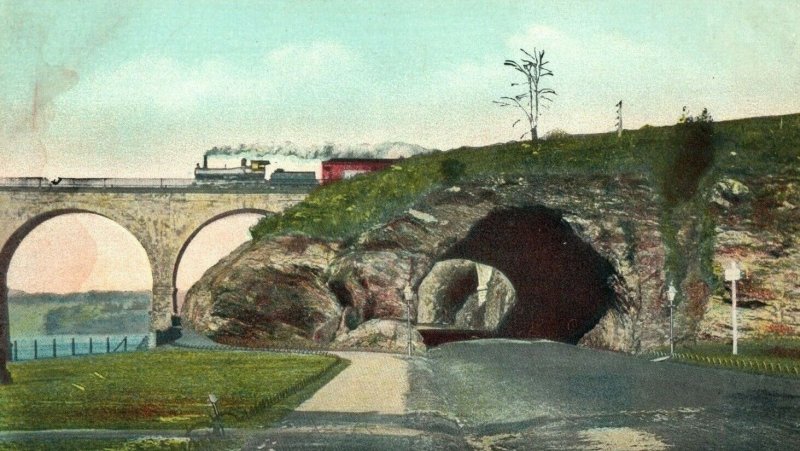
column 374, row 283
column 729, row 191
column 268, row 293
column 381, row 334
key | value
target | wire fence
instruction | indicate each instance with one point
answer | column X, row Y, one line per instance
column 743, row 363
column 62, row 346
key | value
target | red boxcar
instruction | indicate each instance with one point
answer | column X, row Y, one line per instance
column 344, row 168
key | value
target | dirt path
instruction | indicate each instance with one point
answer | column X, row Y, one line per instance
column 374, row 382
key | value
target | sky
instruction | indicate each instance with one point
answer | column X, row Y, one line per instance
column 144, row 88
column 99, row 254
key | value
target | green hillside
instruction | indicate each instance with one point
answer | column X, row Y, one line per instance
column 103, row 312
column 744, row 147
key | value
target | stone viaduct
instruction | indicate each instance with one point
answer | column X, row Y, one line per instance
column 163, row 217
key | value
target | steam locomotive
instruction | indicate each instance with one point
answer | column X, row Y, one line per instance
column 254, row 172
column 246, row 173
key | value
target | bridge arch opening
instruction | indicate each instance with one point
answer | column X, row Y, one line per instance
column 207, row 244
column 77, row 272
column 562, row 284
column 462, row 299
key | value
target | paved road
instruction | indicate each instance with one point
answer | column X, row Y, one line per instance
column 503, row 394
column 521, row 395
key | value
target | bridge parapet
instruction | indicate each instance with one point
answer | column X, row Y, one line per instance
column 110, row 184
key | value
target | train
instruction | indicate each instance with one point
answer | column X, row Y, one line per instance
column 253, row 172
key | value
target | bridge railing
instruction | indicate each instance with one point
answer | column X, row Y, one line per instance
column 151, row 183
column 97, row 182
column 23, row 181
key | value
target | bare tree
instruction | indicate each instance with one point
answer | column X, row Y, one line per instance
column 533, row 68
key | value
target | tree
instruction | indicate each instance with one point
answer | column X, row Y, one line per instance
column 533, row 68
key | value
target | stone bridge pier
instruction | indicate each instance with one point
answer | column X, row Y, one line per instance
column 163, row 221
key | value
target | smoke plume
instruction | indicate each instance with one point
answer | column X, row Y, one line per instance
column 322, row 151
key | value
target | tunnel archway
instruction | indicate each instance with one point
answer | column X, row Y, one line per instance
column 561, row 282
column 176, row 283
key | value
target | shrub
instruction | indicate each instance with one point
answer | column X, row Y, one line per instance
column 556, row 134
column 690, row 157
column 452, row 169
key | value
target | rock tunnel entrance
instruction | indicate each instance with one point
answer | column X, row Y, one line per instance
column 561, row 283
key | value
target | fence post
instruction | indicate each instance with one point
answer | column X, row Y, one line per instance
column 35, row 350
column 16, row 350
column 108, row 345
column 90, row 345
column 54, row 348
column 125, row 344
column 73, row 345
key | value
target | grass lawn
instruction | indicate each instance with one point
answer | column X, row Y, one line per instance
column 773, row 356
column 161, row 389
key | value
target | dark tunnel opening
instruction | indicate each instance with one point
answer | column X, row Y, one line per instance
column 561, row 282
column 457, row 292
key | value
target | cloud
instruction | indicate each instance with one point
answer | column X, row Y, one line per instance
column 313, row 60
column 155, row 81
column 162, row 83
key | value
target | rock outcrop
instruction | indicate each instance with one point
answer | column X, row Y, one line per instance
column 759, row 228
column 382, row 335
column 269, row 293
column 375, row 283
column 307, row 292
column 573, row 260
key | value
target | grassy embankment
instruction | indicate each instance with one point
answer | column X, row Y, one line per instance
column 162, row 389
column 777, row 356
column 345, row 209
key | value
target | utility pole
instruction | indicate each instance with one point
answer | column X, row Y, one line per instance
column 619, row 119
column 671, row 292
column 408, row 294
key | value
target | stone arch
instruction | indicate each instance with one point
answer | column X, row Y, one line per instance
column 193, row 234
column 563, row 285
column 464, row 294
column 10, row 247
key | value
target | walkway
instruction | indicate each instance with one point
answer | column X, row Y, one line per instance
column 364, row 407
column 374, row 382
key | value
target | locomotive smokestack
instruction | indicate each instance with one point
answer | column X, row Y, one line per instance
column 205, row 161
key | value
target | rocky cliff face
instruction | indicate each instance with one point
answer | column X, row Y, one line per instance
column 577, row 260
column 758, row 226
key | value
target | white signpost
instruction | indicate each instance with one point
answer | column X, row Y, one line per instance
column 732, row 274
